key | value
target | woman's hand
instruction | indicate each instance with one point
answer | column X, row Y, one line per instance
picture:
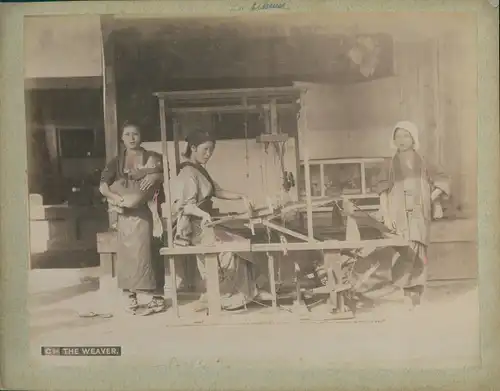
column 437, row 211
column 147, row 182
column 246, row 201
column 436, row 194
column 115, row 199
column 205, row 219
column 389, row 223
column 136, row 174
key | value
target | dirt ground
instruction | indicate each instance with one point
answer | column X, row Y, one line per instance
column 444, row 332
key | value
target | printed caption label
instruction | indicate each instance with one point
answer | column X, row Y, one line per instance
column 77, row 351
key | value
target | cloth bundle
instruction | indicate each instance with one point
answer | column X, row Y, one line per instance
column 133, row 196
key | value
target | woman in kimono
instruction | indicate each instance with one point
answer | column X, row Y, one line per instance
column 410, row 189
column 138, row 270
column 192, row 192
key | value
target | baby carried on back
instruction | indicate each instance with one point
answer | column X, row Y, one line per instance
column 129, row 187
column 133, row 195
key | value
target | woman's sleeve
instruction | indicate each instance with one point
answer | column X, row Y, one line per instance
column 184, row 190
column 109, row 173
column 383, row 178
column 217, row 188
column 190, row 191
column 439, row 179
column 158, row 159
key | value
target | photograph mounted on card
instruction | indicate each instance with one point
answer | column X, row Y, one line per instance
column 267, row 170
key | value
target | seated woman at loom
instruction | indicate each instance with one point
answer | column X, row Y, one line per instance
column 192, row 191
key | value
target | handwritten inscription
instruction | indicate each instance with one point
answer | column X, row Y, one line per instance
column 268, row 6
column 263, row 7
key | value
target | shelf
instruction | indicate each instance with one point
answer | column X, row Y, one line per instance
column 341, row 176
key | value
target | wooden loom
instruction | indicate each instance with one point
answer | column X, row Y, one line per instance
column 271, row 100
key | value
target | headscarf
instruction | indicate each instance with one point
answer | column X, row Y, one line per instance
column 411, row 128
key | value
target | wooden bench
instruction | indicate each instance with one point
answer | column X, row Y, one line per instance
column 107, row 247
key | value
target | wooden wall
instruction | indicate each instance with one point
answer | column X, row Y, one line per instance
column 62, row 46
column 231, row 168
column 434, row 87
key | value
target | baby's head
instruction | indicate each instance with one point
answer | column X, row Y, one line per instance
column 154, row 161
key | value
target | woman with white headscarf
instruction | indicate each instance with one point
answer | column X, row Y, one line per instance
column 409, row 189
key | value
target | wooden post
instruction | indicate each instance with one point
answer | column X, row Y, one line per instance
column 334, row 273
column 298, row 173
column 106, row 279
column 352, row 230
column 167, row 208
column 267, row 122
column 331, row 285
column 276, row 162
column 298, row 294
column 109, row 88
column 51, row 140
column 107, row 247
column 186, row 262
column 272, row 279
column 274, row 117
column 302, row 130
column 212, row 282
column 177, row 138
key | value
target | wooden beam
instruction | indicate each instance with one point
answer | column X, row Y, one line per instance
column 329, row 245
column 352, row 229
column 274, row 116
column 109, row 89
column 177, row 138
column 267, row 121
column 272, row 280
column 223, row 247
column 51, row 140
column 302, row 129
column 167, row 206
column 298, row 170
column 63, row 83
column 332, row 261
column 272, row 138
column 230, row 93
column 284, row 230
column 231, row 108
column 212, row 280
column 280, row 247
column 184, row 261
column 107, row 278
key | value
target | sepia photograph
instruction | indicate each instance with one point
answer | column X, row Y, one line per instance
column 269, row 186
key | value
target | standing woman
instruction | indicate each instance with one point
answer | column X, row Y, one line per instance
column 137, row 267
column 410, row 189
column 192, row 193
